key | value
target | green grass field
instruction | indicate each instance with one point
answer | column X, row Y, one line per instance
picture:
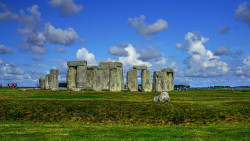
column 89, row 115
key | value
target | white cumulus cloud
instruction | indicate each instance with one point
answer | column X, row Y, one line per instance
column 67, row 7
column 243, row 13
column 132, row 58
column 5, row 50
column 147, row 29
column 201, row 62
column 60, row 36
column 84, row 54
column 244, row 70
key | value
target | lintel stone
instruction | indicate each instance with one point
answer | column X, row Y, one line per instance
column 114, row 64
column 76, row 63
column 92, row 67
column 167, row 70
column 140, row 67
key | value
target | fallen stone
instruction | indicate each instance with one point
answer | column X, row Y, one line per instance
column 76, row 89
column 140, row 67
column 58, row 89
column 76, row 63
column 163, row 97
column 28, row 89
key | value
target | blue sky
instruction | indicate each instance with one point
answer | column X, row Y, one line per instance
column 206, row 42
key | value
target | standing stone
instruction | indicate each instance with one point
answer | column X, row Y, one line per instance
column 146, row 81
column 71, row 77
column 105, row 76
column 97, row 80
column 90, row 76
column 47, row 83
column 157, row 78
column 106, row 70
column 120, row 70
column 115, row 79
column 54, row 78
column 132, row 82
column 167, row 79
column 42, row 82
column 81, row 74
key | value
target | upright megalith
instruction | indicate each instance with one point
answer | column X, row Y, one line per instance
column 97, row 79
column 81, row 74
column 47, row 81
column 132, row 82
column 115, row 79
column 71, row 77
column 105, row 77
column 167, row 79
column 90, row 76
column 77, row 74
column 106, row 66
column 157, row 78
column 146, row 81
column 42, row 83
column 54, row 78
column 164, row 80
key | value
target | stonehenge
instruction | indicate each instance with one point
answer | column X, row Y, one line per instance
column 109, row 76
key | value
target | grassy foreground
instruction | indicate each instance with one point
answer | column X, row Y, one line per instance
column 73, row 131
column 191, row 115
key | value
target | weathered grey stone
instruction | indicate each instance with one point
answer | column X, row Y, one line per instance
column 163, row 97
column 28, row 89
column 76, row 63
column 97, row 80
column 132, row 82
column 122, row 78
column 157, row 78
column 58, row 89
column 81, row 74
column 47, row 83
column 146, row 81
column 71, row 77
column 140, row 67
column 42, row 83
column 106, row 66
column 54, row 78
column 92, row 67
column 167, row 79
column 111, row 64
column 115, row 79
column 76, row 89
column 106, row 79
column 90, row 77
